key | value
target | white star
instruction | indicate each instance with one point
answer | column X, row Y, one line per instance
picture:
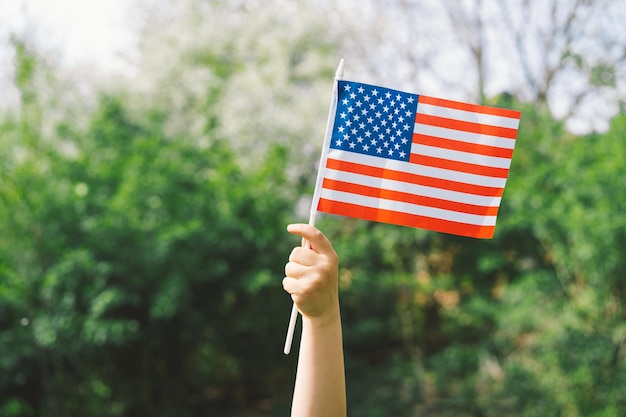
column 408, row 113
column 358, row 103
column 354, row 131
column 410, row 100
column 340, row 129
column 379, row 150
column 361, row 89
column 366, row 98
column 402, row 154
column 376, row 127
column 359, row 139
column 366, row 147
column 345, row 101
column 370, row 120
column 361, row 125
column 378, row 114
column 352, row 145
column 387, row 95
column 350, row 109
column 385, row 109
column 348, row 123
column 352, row 96
column 404, row 141
column 373, row 142
column 380, row 101
column 368, row 134
column 338, row 142
column 406, row 127
column 375, row 92
column 396, row 146
column 398, row 97
column 390, row 152
column 372, row 106
column 402, row 106
column 392, row 103
column 346, row 87
column 343, row 115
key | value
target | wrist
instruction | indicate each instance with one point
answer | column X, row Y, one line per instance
column 330, row 318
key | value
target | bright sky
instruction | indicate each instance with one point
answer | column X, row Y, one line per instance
column 82, row 32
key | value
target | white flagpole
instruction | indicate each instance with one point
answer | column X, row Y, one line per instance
column 316, row 194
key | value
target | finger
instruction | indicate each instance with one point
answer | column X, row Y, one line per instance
column 292, row 285
column 295, row 270
column 303, row 256
column 319, row 242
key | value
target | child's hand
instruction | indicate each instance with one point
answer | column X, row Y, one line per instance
column 311, row 275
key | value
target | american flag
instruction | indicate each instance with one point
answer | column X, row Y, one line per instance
column 417, row 161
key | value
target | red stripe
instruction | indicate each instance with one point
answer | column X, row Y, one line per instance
column 408, row 198
column 502, row 132
column 495, row 111
column 459, row 166
column 413, row 178
column 456, row 145
column 405, row 219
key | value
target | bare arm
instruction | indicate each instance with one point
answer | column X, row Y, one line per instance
column 311, row 279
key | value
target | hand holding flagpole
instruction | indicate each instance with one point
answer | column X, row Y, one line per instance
column 316, row 195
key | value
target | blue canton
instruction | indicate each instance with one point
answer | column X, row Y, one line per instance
column 374, row 120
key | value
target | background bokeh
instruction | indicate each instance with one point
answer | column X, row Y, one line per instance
column 144, row 196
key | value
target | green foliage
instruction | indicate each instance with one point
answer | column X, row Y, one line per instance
column 127, row 258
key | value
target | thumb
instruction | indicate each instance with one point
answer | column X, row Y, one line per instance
column 318, row 240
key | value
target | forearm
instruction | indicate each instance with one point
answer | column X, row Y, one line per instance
column 320, row 383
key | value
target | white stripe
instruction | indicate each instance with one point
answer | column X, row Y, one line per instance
column 420, row 190
column 378, row 203
column 475, row 138
column 468, row 116
column 439, row 173
column 452, row 155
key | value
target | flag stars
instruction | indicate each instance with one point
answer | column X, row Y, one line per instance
column 361, row 125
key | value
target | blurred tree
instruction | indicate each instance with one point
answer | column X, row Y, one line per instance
column 138, row 270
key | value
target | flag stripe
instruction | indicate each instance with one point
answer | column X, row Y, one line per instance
column 461, row 136
column 415, row 209
column 468, row 116
column 459, row 166
column 462, row 146
column 405, row 219
column 415, row 189
column 431, row 177
column 496, row 111
column 454, row 155
column 385, row 192
column 502, row 132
